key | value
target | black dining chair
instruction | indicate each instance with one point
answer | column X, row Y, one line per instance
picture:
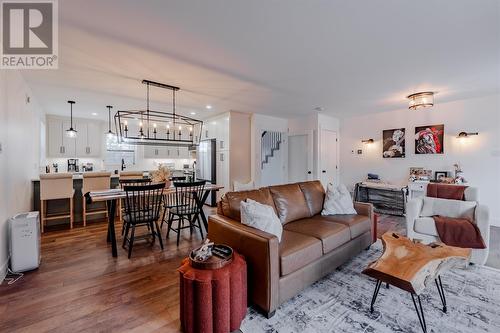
column 142, row 208
column 129, row 182
column 186, row 207
column 169, row 200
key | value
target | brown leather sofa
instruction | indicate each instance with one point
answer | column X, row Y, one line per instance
column 311, row 247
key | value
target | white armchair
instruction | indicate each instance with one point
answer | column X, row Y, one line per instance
column 420, row 225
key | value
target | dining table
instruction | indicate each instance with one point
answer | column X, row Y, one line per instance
column 112, row 196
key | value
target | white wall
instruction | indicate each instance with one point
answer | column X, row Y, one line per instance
column 312, row 125
column 275, row 175
column 479, row 155
column 19, row 160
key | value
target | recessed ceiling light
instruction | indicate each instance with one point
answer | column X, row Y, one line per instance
column 192, row 113
column 208, row 107
column 94, row 113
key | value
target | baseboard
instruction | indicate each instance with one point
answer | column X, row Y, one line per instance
column 3, row 269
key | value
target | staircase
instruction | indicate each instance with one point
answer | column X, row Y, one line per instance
column 269, row 143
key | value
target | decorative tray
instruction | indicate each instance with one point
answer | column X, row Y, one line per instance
column 221, row 256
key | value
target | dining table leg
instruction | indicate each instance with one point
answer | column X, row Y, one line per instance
column 111, row 237
column 200, row 205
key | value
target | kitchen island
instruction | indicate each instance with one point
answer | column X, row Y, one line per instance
column 59, row 206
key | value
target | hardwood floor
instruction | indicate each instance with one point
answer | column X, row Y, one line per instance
column 80, row 287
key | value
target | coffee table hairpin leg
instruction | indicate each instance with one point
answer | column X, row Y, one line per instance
column 375, row 294
column 418, row 308
column 439, row 286
column 420, row 313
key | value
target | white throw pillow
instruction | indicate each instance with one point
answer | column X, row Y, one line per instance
column 338, row 201
column 260, row 216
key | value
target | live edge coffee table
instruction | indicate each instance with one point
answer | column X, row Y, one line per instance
column 412, row 266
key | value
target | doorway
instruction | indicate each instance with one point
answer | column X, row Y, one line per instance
column 328, row 157
column 300, row 155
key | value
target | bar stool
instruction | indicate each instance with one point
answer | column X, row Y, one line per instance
column 56, row 186
column 131, row 175
column 94, row 181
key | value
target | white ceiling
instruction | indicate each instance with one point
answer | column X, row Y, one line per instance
column 282, row 58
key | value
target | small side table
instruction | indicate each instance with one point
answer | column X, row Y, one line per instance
column 213, row 301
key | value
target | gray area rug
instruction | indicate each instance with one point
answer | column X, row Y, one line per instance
column 340, row 302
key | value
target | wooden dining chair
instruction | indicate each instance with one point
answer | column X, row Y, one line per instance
column 142, row 208
column 94, row 181
column 186, row 207
column 56, row 186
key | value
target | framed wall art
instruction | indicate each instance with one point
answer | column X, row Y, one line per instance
column 429, row 139
column 394, row 145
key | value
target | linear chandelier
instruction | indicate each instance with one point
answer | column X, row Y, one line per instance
column 157, row 128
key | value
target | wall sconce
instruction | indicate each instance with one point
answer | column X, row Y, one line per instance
column 465, row 135
column 419, row 100
column 369, row 141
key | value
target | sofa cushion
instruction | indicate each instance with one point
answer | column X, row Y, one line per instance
column 314, row 193
column 449, row 208
column 297, row 250
column 231, row 201
column 426, row 226
column 331, row 234
column 290, row 202
column 358, row 224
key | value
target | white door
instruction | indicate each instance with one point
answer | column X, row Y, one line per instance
column 299, row 157
column 328, row 157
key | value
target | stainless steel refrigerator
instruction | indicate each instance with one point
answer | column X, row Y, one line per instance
column 206, row 155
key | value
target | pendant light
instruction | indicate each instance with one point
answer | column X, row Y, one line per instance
column 109, row 133
column 71, row 132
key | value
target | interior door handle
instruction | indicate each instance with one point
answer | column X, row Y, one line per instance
column 309, row 172
column 324, row 171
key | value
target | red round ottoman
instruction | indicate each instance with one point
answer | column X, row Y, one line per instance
column 213, row 300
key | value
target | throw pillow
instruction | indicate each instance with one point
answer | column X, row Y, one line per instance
column 260, row 216
column 449, row 208
column 338, row 201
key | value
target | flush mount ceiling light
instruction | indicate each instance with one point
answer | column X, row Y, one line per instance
column 71, row 132
column 158, row 128
column 208, row 107
column 419, row 100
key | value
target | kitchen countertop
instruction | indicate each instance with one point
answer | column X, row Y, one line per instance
column 76, row 177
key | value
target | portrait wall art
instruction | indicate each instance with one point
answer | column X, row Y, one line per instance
column 429, row 139
column 393, row 143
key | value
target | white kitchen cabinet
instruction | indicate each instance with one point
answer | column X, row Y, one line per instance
column 87, row 143
column 88, row 140
column 59, row 145
column 155, row 152
column 222, row 172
